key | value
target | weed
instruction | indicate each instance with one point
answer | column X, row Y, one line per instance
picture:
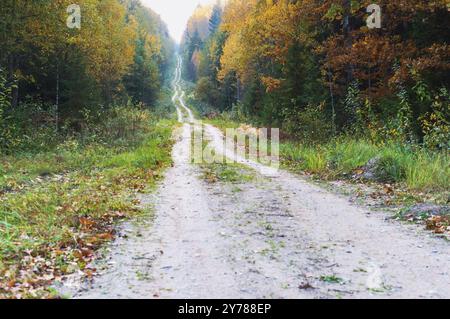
column 230, row 173
column 331, row 279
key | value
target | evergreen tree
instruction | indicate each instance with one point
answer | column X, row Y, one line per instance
column 216, row 18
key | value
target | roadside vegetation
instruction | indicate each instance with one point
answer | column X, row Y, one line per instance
column 84, row 128
column 352, row 103
column 59, row 205
column 418, row 169
column 409, row 178
column 84, row 112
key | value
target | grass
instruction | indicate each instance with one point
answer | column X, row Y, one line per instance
column 418, row 169
column 15, row 171
column 230, row 173
column 57, row 207
column 331, row 279
column 225, row 172
column 223, row 123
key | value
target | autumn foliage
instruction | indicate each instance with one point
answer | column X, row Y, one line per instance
column 120, row 52
column 279, row 58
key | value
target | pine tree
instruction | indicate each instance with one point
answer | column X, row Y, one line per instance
column 216, row 18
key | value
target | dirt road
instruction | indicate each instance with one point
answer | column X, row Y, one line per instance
column 273, row 236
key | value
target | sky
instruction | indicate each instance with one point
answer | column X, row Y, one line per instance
column 175, row 13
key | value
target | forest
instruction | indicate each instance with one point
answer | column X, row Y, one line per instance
column 315, row 69
column 101, row 113
column 84, row 125
column 51, row 75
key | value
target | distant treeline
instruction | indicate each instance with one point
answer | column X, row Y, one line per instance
column 315, row 69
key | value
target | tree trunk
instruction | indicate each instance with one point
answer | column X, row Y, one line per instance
column 333, row 109
column 348, row 41
column 57, row 97
column 13, row 81
column 238, row 89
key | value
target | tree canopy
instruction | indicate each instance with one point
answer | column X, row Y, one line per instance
column 278, row 59
column 121, row 51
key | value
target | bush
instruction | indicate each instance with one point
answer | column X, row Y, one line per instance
column 206, row 92
column 5, row 93
column 309, row 125
column 238, row 113
column 389, row 169
column 116, row 125
column 31, row 127
column 436, row 124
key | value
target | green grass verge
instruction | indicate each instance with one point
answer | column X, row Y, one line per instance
column 51, row 224
column 417, row 168
column 222, row 123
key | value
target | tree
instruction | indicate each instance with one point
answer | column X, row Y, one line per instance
column 216, row 18
column 281, row 57
column 70, row 69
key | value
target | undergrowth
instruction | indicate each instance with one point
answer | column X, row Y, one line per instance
column 59, row 205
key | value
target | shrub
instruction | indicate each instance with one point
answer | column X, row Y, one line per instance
column 389, row 169
column 436, row 124
column 5, row 92
column 30, row 127
column 309, row 125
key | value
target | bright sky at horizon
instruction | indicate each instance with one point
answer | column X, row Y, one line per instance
column 175, row 13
